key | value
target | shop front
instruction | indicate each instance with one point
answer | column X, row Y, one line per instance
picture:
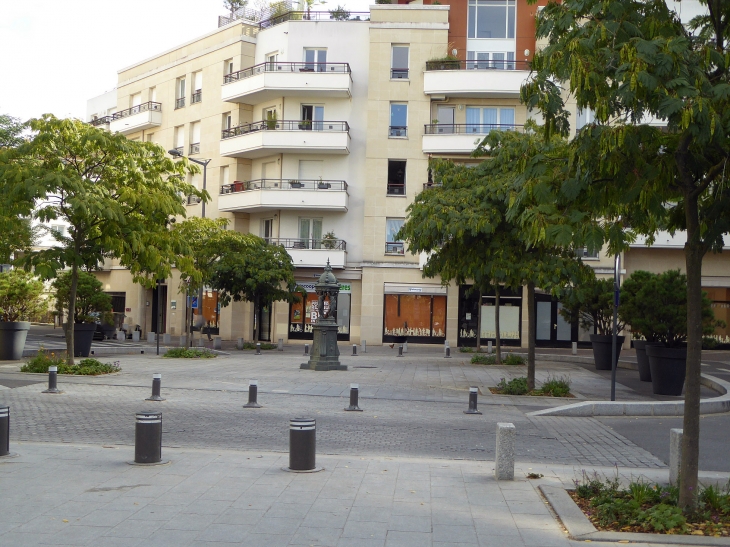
column 303, row 314
column 414, row 313
column 510, row 317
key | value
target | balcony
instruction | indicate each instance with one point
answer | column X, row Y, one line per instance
column 194, row 148
column 269, row 194
column 138, row 118
column 395, row 248
column 440, row 138
column 272, row 80
column 475, row 78
column 395, row 131
column 314, row 253
column 255, row 140
column 101, row 123
column 196, row 97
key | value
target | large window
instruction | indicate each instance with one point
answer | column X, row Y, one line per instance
column 491, row 19
column 483, row 60
column 483, row 119
column 310, row 233
column 303, row 314
column 315, row 59
column 396, row 177
column 399, row 62
column 180, row 93
column 398, row 120
column 312, row 117
column 393, row 245
column 414, row 316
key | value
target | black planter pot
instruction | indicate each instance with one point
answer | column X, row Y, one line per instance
column 668, row 368
column 642, row 360
column 12, row 339
column 83, row 337
column 602, row 350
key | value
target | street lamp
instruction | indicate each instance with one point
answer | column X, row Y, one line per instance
column 175, row 153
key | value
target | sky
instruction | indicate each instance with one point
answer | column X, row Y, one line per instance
column 56, row 54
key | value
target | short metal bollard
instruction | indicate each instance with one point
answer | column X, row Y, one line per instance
column 473, row 391
column 302, row 445
column 448, row 353
column 354, row 391
column 354, row 350
column 156, row 385
column 364, row 346
column 258, row 348
column 280, row 346
column 52, row 381
column 400, row 350
column 148, row 438
column 306, row 349
column 4, row 431
column 253, row 392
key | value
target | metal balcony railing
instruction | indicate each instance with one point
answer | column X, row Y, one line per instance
column 299, row 243
column 179, row 103
column 195, row 148
column 281, row 184
column 427, row 185
column 285, row 125
column 144, row 107
column 477, row 65
column 340, row 68
column 196, row 97
column 395, row 248
column 334, row 15
column 104, row 120
column 397, row 131
column 398, row 73
column 180, row 149
column 468, row 128
column 396, row 189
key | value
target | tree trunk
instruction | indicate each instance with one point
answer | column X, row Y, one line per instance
column 694, row 251
column 531, row 336
column 71, row 313
column 188, row 318
column 497, row 337
column 479, row 323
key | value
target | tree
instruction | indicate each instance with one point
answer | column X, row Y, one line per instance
column 591, row 305
column 90, row 298
column 11, row 131
column 21, row 296
column 632, row 61
column 233, row 6
column 115, row 195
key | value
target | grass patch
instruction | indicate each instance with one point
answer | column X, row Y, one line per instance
column 552, row 387
column 264, row 345
column 85, row 367
column 508, row 359
column 192, row 353
column 644, row 507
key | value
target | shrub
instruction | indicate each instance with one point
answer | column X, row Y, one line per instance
column 480, row 359
column 192, row 353
column 264, row 345
column 556, row 387
column 708, row 342
column 464, row 349
column 591, row 304
column 662, row 517
column 516, row 386
column 42, row 361
column 340, row 13
column 21, row 296
column 85, row 367
column 511, row 360
column 90, row 298
column 620, row 511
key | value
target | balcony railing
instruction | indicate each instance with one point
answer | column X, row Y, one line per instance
column 195, row 148
column 334, row 15
column 180, row 103
column 284, row 125
column 396, row 189
column 196, row 97
column 193, row 200
column 144, row 107
column 395, row 248
column 281, row 184
column 104, row 120
column 338, row 68
column 427, row 185
column 477, row 65
column 398, row 73
column 180, row 149
column 397, row 131
column 468, row 128
column 299, row 243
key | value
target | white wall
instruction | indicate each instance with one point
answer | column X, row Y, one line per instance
column 101, row 105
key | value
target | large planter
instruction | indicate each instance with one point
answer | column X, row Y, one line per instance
column 83, row 337
column 602, row 350
column 668, row 368
column 642, row 360
column 12, row 339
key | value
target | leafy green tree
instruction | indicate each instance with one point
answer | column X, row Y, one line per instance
column 591, row 304
column 21, row 296
column 635, row 308
column 115, row 195
column 11, row 131
column 90, row 298
column 632, row 61
column 234, row 5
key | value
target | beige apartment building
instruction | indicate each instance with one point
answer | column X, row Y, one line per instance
column 319, row 127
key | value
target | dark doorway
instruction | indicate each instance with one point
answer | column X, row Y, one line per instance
column 263, row 322
column 550, row 328
column 155, row 311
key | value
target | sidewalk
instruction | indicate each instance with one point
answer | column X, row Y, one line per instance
column 88, row 495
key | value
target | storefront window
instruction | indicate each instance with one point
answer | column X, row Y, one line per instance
column 414, row 316
column 720, row 298
column 303, row 314
column 510, row 318
column 211, row 311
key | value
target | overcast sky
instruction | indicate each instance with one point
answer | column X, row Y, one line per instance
column 56, row 54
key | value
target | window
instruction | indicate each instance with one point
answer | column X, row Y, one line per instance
column 314, row 59
column 227, row 121
column 398, row 120
column 393, row 246
column 150, row 137
column 225, row 177
column 312, row 117
column 399, row 63
column 491, row 19
column 583, row 252
column 228, row 66
column 310, row 233
column 484, row 60
column 414, row 315
column 135, row 100
column 180, row 93
column 180, row 139
column 267, row 229
column 153, row 94
column 195, row 138
column 58, row 230
column 197, row 94
column 396, row 178
column 583, row 118
column 269, row 115
column 483, row 119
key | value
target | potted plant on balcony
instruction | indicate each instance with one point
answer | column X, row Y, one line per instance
column 322, row 185
column 329, row 240
column 591, row 305
column 296, row 184
column 271, row 120
column 305, row 125
column 21, row 299
column 636, row 311
column 447, row 62
column 91, row 302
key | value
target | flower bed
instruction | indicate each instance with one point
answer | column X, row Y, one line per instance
column 85, row 367
column 508, row 359
column 552, row 387
column 192, row 353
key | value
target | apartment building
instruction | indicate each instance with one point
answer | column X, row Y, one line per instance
column 319, row 127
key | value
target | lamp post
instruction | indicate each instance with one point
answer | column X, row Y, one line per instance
column 614, row 357
column 177, row 154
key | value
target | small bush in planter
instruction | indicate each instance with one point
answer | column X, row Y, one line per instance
column 21, row 296
column 591, row 305
column 90, row 299
column 635, row 308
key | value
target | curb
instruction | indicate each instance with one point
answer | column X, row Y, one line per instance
column 716, row 405
column 582, row 529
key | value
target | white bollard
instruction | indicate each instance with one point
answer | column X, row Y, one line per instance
column 489, row 347
column 217, row 342
column 183, row 340
column 121, row 336
column 504, row 464
column 575, row 348
column 405, row 346
column 166, row 338
column 281, row 345
column 364, row 346
column 135, row 336
column 675, row 454
column 151, row 337
column 239, row 344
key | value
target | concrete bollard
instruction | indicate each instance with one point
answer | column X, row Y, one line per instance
column 504, row 464
column 183, row 341
column 166, row 338
column 473, row 393
column 156, row 385
column 4, row 431
column 675, row 454
column 253, row 392
column 135, row 336
column 302, row 445
column 121, row 336
column 240, row 343
column 201, row 342
column 148, row 437
column 306, row 349
column 405, row 346
column 489, row 347
column 354, row 392
column 364, row 346
column 354, row 350
column 400, row 350
column 258, row 348
column 574, row 349
column 52, row 380
column 151, row 337
column 217, row 342
column 448, row 353
column 280, row 346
